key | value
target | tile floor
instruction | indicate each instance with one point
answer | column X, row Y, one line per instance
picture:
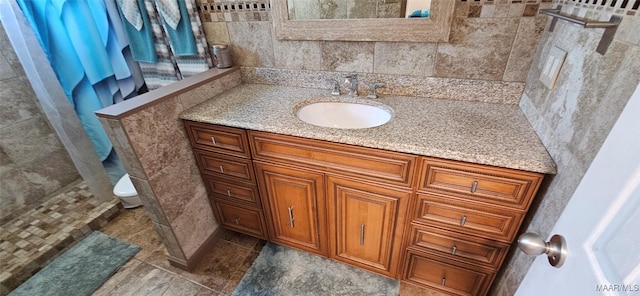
column 32, row 240
column 149, row 273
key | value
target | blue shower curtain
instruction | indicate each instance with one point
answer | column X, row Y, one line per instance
column 88, row 51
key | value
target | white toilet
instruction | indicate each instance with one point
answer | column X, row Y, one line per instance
column 127, row 194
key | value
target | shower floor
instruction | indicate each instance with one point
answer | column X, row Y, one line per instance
column 35, row 238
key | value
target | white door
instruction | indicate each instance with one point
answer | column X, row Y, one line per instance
column 601, row 223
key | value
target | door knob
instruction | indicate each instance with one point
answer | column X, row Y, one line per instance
column 555, row 248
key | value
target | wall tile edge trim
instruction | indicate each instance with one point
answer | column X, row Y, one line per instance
column 133, row 105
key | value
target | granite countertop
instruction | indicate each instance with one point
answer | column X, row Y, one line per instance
column 476, row 132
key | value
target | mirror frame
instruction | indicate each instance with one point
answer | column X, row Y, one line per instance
column 434, row 29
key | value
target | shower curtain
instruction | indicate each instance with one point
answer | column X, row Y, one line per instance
column 103, row 52
column 88, row 50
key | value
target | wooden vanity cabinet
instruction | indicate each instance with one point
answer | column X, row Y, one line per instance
column 294, row 200
column 463, row 219
column 439, row 224
column 223, row 156
column 430, row 272
column 375, row 165
column 366, row 219
column 241, row 219
column 366, row 223
column 511, row 189
column 216, row 138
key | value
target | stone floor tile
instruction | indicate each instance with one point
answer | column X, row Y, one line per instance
column 240, row 239
column 122, row 274
column 144, row 279
column 181, row 287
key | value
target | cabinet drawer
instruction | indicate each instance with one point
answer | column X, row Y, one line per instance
column 233, row 191
column 373, row 164
column 424, row 271
column 482, row 183
column 467, row 249
column 245, row 220
column 218, row 138
column 223, row 165
column 495, row 223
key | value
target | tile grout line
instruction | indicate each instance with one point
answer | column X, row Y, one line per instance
column 37, row 237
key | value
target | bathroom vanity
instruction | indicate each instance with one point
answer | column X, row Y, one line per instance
column 434, row 197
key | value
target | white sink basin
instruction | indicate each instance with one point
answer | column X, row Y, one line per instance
column 344, row 115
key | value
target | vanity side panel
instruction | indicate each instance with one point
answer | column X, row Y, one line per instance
column 163, row 159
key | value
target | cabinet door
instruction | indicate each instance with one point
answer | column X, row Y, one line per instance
column 366, row 224
column 295, row 204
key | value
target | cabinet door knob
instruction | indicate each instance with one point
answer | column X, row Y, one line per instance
column 474, row 186
column 444, row 281
column 463, row 220
column 229, row 192
column 362, row 234
column 291, row 217
column 453, row 250
column 213, row 140
column 237, row 221
column 221, row 169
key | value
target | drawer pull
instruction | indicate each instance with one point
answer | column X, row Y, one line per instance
column 237, row 221
column 362, row 234
column 444, row 281
column 213, row 140
column 463, row 220
column 453, row 250
column 291, row 217
column 221, row 169
column 474, row 186
column 229, row 192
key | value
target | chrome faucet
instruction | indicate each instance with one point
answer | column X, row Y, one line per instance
column 372, row 89
column 335, row 85
column 352, row 80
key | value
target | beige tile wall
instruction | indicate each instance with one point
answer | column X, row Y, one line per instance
column 490, row 40
column 33, row 162
column 155, row 150
column 574, row 118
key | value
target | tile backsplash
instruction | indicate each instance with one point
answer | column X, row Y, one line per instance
column 497, row 92
column 626, row 7
column 234, row 11
column 490, row 40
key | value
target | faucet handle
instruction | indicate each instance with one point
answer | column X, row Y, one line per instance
column 336, row 87
column 372, row 89
column 352, row 81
